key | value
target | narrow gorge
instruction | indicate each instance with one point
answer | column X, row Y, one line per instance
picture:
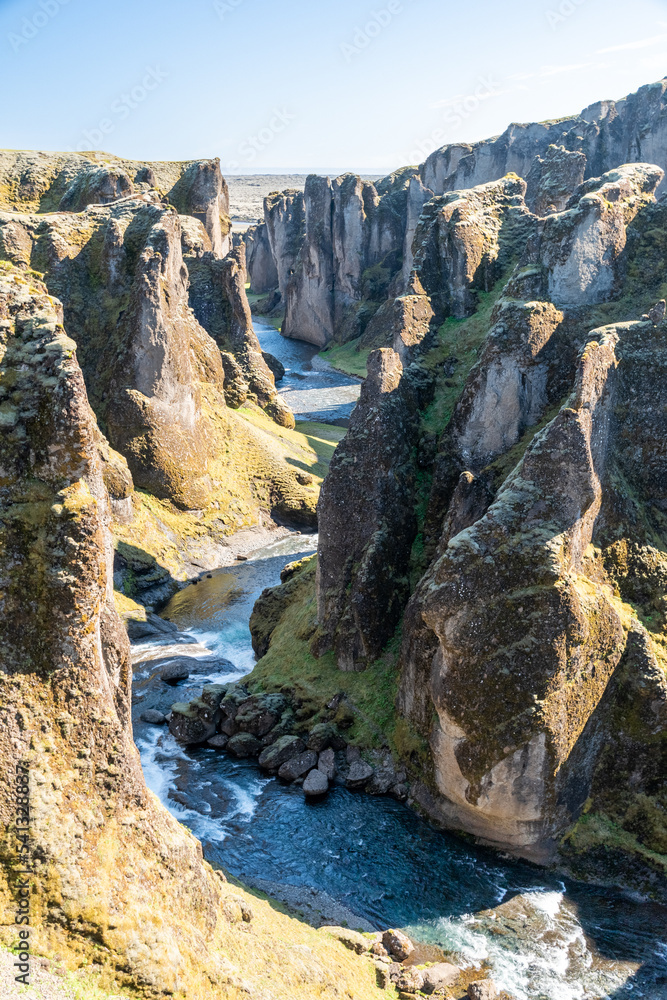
column 333, row 575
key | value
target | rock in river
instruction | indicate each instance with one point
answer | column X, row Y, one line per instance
column 176, row 671
column 153, row 717
column 315, row 784
column 295, row 767
column 482, row 989
column 244, row 745
column 359, row 774
column 273, row 756
column 327, row 763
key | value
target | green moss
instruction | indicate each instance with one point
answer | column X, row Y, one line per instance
column 454, row 354
column 595, row 830
column 367, row 708
column 348, row 357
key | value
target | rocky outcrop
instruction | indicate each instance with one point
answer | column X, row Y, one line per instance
column 517, row 377
column 364, row 549
column 466, row 240
column 115, row 880
column 219, row 301
column 608, row 134
column 582, row 246
column 350, row 256
column 49, row 182
column 309, row 295
column 284, row 219
column 481, row 598
column 66, row 677
column 403, row 323
column 129, row 276
column 553, row 178
column 260, row 265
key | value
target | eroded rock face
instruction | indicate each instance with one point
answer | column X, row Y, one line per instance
column 66, row 684
column 581, row 246
column 350, row 254
column 49, row 182
column 553, row 178
column 364, row 549
column 502, row 783
column 529, row 631
column 115, row 881
column 260, row 265
column 607, row 133
column 403, row 323
column 219, row 301
column 512, row 384
column 128, row 276
column 284, row 219
column 309, row 295
column 466, row 240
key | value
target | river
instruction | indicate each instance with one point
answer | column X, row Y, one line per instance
column 541, row 936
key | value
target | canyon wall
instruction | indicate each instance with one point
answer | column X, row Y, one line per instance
column 119, row 889
column 533, row 472
column 356, row 247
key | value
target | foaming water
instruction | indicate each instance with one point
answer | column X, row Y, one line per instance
column 543, row 938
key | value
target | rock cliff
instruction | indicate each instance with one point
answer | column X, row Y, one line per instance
column 164, row 335
column 607, row 134
column 532, row 471
column 116, row 883
column 358, row 246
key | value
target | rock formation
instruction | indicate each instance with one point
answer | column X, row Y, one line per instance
column 364, row 551
column 359, row 242
column 151, row 305
column 608, row 134
column 534, row 550
column 116, row 882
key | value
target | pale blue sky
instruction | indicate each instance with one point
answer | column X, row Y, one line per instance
column 323, row 85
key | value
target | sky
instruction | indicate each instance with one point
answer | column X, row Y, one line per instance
column 277, row 86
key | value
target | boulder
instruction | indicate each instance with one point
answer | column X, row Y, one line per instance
column 442, row 974
column 482, row 989
column 398, row 944
column 326, row 763
column 218, row 742
column 359, row 774
column 259, row 714
column 196, row 721
column 192, row 722
column 297, row 766
column 321, row 736
column 153, row 717
column 316, row 784
column 273, row 756
column 410, row 980
column 174, row 672
column 244, row 745
column 276, row 367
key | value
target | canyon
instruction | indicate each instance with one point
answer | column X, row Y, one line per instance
column 482, row 631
